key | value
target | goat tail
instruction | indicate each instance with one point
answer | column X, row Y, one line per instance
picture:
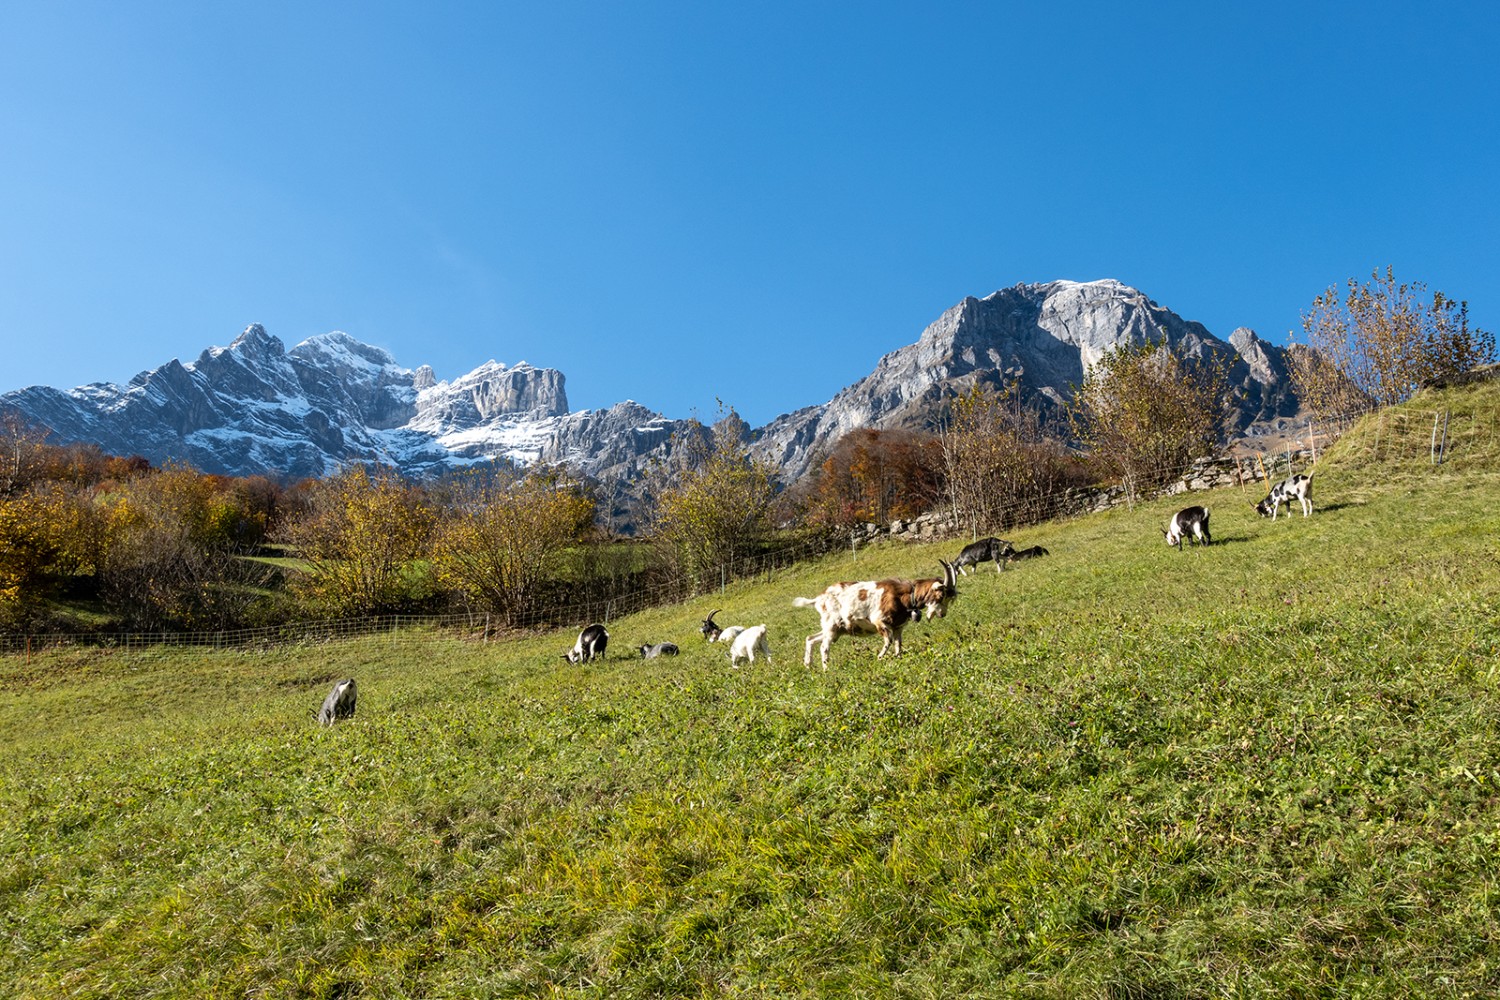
column 804, row 602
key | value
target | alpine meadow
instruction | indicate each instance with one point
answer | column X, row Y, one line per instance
column 1266, row 767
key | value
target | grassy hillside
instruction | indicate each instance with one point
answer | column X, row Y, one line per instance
column 1264, row 768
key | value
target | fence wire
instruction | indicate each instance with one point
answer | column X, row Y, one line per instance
column 1392, row 435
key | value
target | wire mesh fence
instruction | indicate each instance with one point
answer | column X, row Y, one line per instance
column 1427, row 436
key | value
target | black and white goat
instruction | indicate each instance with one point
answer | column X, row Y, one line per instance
column 1189, row 522
column 984, row 550
column 590, row 646
column 339, row 704
column 658, row 649
column 1298, row 487
column 714, row 632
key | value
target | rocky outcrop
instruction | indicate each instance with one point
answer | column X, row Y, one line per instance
column 1041, row 337
column 256, row 407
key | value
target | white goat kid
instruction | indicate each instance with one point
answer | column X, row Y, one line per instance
column 751, row 642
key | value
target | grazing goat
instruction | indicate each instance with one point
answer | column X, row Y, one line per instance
column 590, row 646
column 714, row 632
column 748, row 644
column 880, row 606
column 1188, row 522
column 1035, row 552
column 983, row 550
column 1298, row 487
column 339, row 704
column 659, row 649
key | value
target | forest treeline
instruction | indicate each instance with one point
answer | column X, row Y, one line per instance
column 89, row 540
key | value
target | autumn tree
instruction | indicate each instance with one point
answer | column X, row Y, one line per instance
column 717, row 506
column 360, row 534
column 1001, row 468
column 1380, row 342
column 501, row 535
column 49, row 535
column 168, row 553
column 1147, row 413
column 876, row 475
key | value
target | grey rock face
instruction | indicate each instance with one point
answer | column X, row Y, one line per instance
column 1044, row 337
column 256, row 407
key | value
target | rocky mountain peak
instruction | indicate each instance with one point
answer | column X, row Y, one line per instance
column 256, row 407
column 255, row 340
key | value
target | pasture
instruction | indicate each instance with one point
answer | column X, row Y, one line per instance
column 1268, row 767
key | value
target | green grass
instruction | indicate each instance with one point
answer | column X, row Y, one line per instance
column 1264, row 768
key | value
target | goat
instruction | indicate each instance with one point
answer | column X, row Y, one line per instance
column 983, row 550
column 590, row 646
column 748, row 644
column 1036, row 551
column 339, row 704
column 730, row 633
column 659, row 649
column 880, row 606
column 714, row 632
column 1298, row 487
column 1189, row 521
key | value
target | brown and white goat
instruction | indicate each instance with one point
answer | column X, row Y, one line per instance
column 880, row 606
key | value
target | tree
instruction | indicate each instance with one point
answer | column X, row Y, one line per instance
column 719, row 507
column 21, row 453
column 1380, row 342
column 875, row 475
column 1147, row 413
column 503, row 533
column 167, row 554
column 48, row 535
column 1001, row 468
column 360, row 535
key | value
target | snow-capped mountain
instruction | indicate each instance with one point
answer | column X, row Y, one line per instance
column 256, row 407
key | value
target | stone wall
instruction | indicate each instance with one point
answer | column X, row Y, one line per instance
column 1205, row 474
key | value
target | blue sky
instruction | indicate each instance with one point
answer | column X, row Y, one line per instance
column 684, row 202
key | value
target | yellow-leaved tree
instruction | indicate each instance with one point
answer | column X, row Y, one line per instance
column 718, row 506
column 1380, row 342
column 1147, row 413
column 502, row 534
column 1002, row 469
column 361, row 535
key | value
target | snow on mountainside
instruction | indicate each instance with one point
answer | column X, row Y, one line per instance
column 255, row 407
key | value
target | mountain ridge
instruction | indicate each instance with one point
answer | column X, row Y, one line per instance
column 255, row 406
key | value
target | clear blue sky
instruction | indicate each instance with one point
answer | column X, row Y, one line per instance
column 674, row 202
